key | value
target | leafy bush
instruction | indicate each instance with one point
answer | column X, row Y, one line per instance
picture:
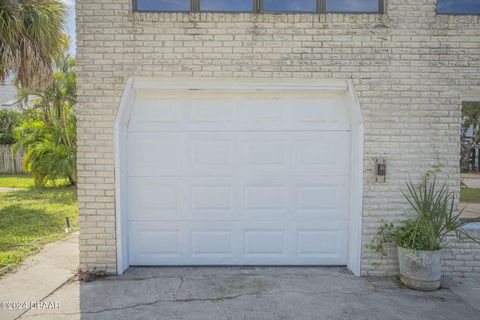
column 401, row 235
column 49, row 155
column 48, row 132
column 428, row 231
column 8, row 120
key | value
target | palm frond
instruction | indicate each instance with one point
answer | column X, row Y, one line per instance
column 31, row 35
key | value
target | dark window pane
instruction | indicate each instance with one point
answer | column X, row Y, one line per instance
column 352, row 5
column 226, row 5
column 458, row 6
column 163, row 5
column 290, row 5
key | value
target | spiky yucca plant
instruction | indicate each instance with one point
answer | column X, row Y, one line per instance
column 427, row 231
column 436, row 216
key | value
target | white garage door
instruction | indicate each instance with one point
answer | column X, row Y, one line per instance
column 238, row 178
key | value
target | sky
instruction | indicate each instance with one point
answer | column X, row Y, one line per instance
column 70, row 24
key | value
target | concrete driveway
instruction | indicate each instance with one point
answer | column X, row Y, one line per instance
column 249, row 293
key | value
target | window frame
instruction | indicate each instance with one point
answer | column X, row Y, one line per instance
column 452, row 13
column 257, row 7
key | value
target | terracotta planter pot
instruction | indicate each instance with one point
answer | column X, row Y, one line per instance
column 420, row 270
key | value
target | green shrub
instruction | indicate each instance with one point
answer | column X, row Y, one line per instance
column 49, row 150
column 9, row 119
column 427, row 231
column 48, row 132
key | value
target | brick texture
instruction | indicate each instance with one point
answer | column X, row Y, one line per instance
column 410, row 68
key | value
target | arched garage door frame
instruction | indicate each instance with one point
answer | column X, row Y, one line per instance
column 356, row 154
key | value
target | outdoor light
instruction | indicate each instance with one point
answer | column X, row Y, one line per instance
column 381, row 170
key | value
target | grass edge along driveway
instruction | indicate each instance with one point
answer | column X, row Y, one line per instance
column 32, row 217
column 470, row 195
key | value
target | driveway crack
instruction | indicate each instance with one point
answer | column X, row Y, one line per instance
column 179, row 288
column 187, row 300
column 133, row 306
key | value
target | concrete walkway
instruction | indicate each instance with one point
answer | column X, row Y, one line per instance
column 4, row 190
column 471, row 210
column 467, row 289
column 471, row 180
column 40, row 275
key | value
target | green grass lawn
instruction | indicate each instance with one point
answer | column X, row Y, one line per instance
column 15, row 181
column 470, row 195
column 24, row 181
column 33, row 216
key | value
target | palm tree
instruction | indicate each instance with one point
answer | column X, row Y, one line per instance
column 47, row 134
column 30, row 36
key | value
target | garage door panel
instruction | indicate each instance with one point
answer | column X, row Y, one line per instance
column 248, row 154
column 200, row 242
column 211, row 242
column 212, row 200
column 152, row 113
column 265, row 150
column 259, row 198
column 174, row 198
column 320, row 197
column 294, row 197
column 150, row 243
column 154, row 154
column 209, row 198
column 262, row 114
column 324, row 153
column 209, row 111
column 152, row 199
column 265, row 197
column 231, row 111
column 211, row 154
column 264, row 154
column 322, row 243
column 265, row 242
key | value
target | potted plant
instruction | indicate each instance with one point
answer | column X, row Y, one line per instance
column 420, row 239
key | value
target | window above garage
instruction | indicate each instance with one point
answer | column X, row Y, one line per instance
column 261, row 6
column 458, row 7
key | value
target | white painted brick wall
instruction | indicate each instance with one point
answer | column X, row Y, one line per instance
column 409, row 66
column 462, row 257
